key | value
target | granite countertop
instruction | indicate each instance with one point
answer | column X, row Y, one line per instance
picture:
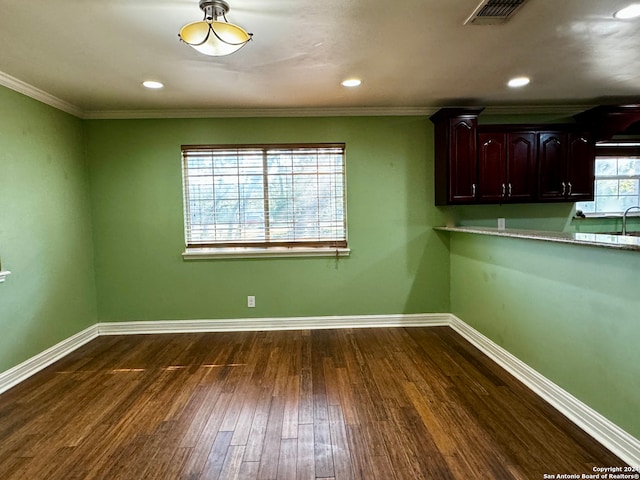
column 620, row 242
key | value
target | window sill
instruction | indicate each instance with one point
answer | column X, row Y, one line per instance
column 4, row 275
column 253, row 252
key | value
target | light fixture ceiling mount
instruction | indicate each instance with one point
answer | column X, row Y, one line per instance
column 518, row 82
column 628, row 12
column 211, row 36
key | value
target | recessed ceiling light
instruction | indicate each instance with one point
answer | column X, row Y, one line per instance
column 518, row 82
column 631, row 11
column 352, row 82
column 152, row 84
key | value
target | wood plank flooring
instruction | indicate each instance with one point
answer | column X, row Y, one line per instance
column 393, row 403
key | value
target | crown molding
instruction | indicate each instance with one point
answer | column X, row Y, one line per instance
column 44, row 97
column 563, row 110
column 536, row 109
column 262, row 112
column 40, row 95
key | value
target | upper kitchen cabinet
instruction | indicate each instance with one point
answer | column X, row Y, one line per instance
column 566, row 166
column 506, row 165
column 552, row 165
column 581, row 166
column 509, row 163
column 456, row 156
column 605, row 121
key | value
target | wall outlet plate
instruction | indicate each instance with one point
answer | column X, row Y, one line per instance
column 251, row 301
column 501, row 223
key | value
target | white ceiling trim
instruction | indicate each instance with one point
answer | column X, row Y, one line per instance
column 264, row 112
column 562, row 110
column 566, row 110
column 44, row 97
column 40, row 95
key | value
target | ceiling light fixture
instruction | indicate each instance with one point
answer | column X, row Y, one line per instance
column 630, row 11
column 352, row 82
column 152, row 84
column 518, row 82
column 213, row 37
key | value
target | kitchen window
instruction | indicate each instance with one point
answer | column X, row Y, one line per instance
column 264, row 200
column 617, row 179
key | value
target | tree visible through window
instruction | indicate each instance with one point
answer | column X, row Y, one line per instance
column 617, row 179
column 264, row 195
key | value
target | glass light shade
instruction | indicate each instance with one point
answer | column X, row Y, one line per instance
column 518, row 82
column 352, row 82
column 152, row 84
column 631, row 11
column 231, row 37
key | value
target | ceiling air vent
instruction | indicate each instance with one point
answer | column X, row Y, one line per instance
column 494, row 12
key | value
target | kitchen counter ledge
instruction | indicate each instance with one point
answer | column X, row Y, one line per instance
column 619, row 242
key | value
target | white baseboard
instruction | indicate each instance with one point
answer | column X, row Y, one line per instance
column 282, row 323
column 621, row 443
column 601, row 429
column 33, row 365
column 24, row 370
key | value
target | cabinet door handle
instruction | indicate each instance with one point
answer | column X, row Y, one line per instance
column 509, row 189
column 504, row 190
column 564, row 189
column 569, row 193
column 473, row 190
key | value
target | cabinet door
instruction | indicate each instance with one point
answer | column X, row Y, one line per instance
column 521, row 166
column 552, row 154
column 462, row 160
column 580, row 167
column 492, row 167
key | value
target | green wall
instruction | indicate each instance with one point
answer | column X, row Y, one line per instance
column 552, row 216
column 91, row 224
column 397, row 264
column 568, row 311
column 45, row 229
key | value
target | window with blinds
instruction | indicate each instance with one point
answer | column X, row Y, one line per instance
column 264, row 195
column 617, row 179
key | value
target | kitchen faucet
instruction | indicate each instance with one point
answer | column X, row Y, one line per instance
column 624, row 218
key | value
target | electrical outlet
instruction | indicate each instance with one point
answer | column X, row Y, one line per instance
column 251, row 301
column 501, row 223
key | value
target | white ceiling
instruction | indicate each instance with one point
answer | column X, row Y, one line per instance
column 93, row 55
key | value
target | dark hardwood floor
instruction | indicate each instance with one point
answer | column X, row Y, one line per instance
column 393, row 403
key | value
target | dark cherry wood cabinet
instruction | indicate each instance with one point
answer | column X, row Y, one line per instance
column 522, row 174
column 506, row 166
column 552, row 148
column 566, row 166
column 581, row 158
column 605, row 121
column 492, row 166
column 456, row 155
column 509, row 163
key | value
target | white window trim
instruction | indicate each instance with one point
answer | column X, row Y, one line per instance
column 193, row 251
column 609, row 215
column 263, row 252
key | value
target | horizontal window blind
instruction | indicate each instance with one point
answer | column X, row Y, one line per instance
column 264, row 195
column 617, row 179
